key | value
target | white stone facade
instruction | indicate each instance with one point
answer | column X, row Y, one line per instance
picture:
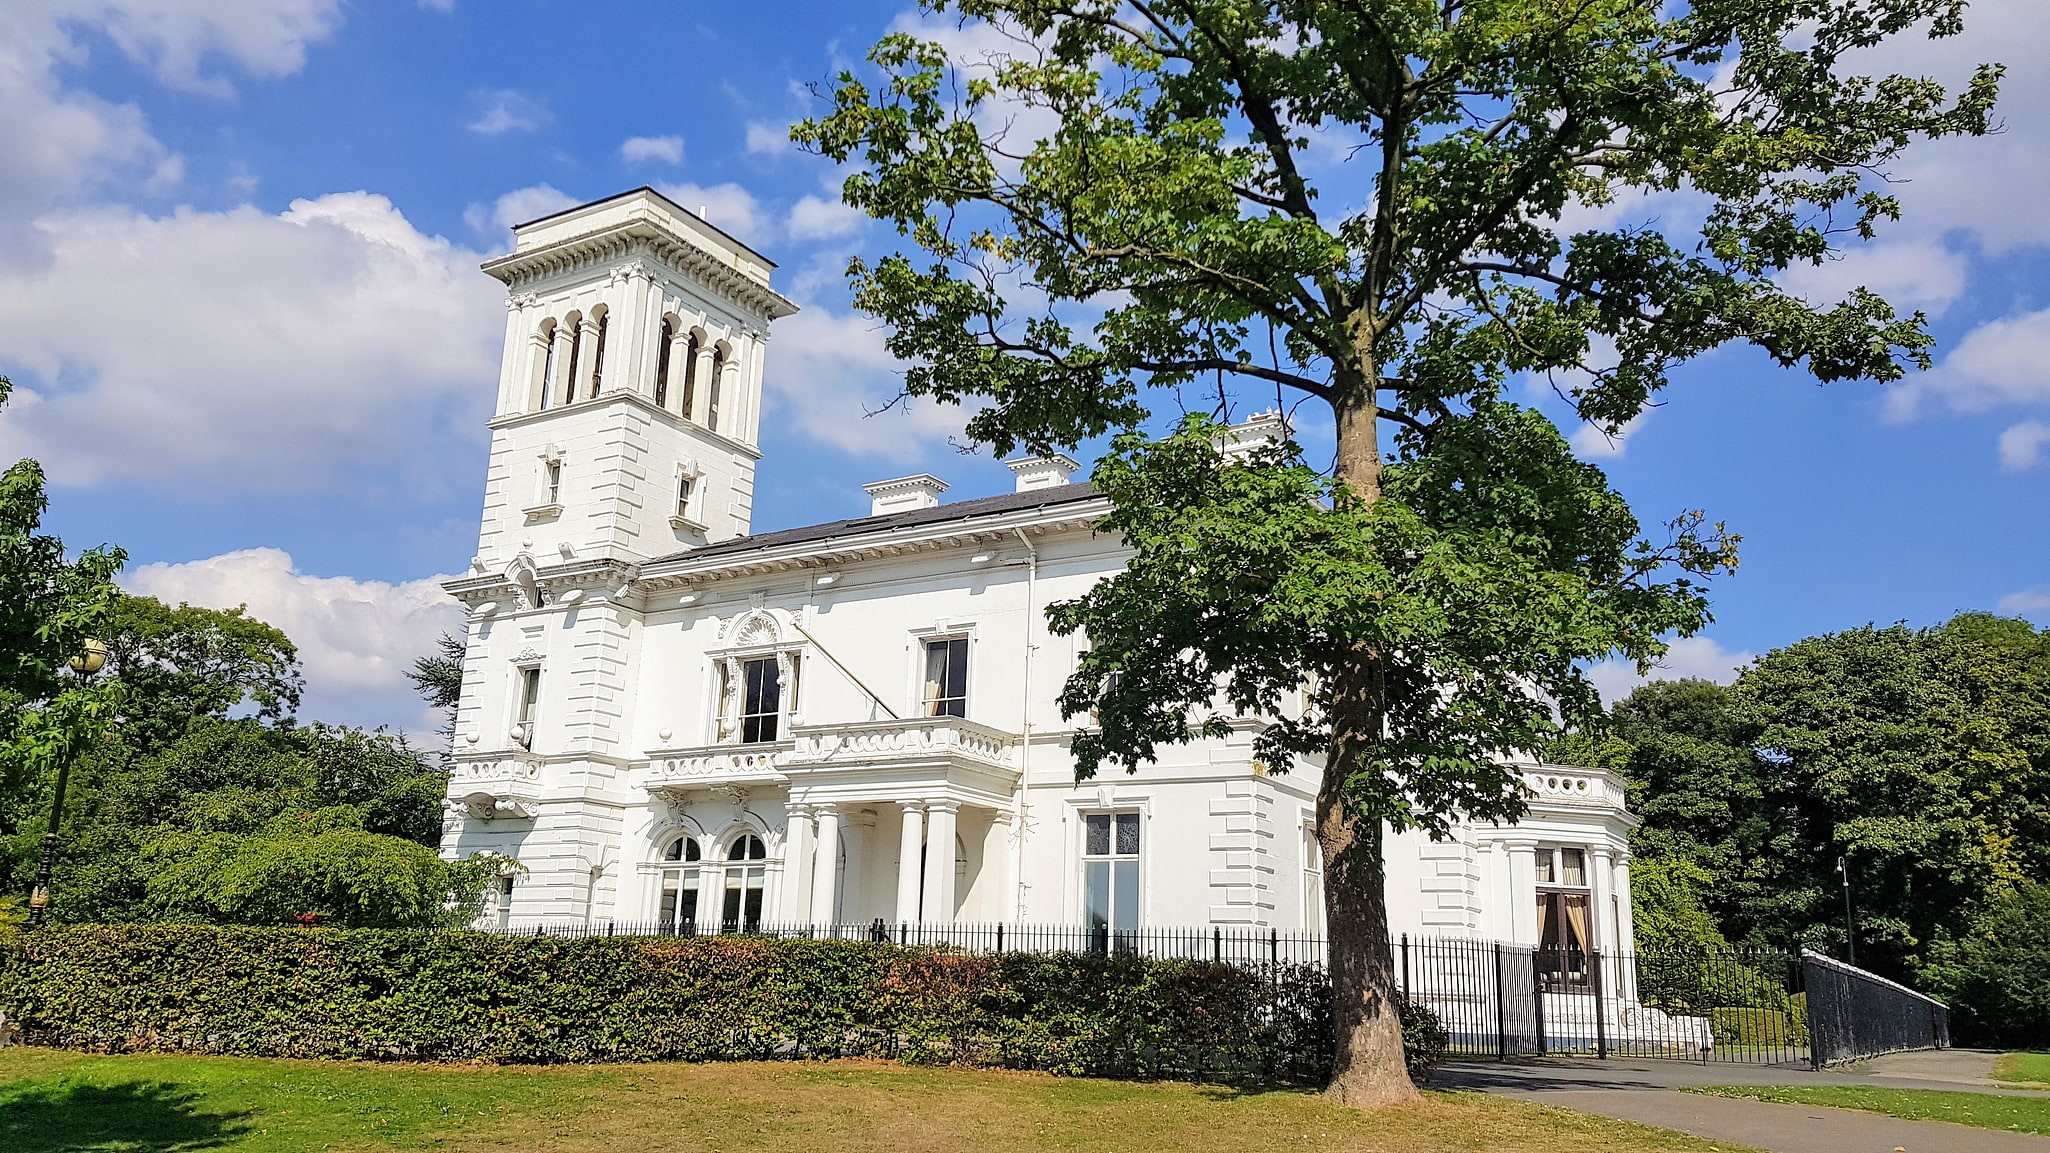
column 658, row 704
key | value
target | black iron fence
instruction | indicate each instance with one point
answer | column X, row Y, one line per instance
column 1503, row 1000
column 1495, row 999
column 1238, row 945
column 1854, row 1014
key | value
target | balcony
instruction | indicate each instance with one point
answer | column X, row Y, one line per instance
column 712, row 766
column 920, row 741
column 1572, row 787
column 939, row 744
column 495, row 787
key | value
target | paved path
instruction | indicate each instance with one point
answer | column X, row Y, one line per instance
column 1646, row 1091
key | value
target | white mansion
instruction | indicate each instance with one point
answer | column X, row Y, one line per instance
column 667, row 718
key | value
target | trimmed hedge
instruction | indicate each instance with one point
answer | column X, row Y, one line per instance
column 371, row 994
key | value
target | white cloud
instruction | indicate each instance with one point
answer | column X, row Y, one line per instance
column 2021, row 446
column 831, row 371
column 815, row 218
column 502, row 110
column 728, row 207
column 222, row 352
column 2028, row 602
column 1690, row 657
column 1910, row 274
column 533, row 202
column 2000, row 362
column 174, row 37
column 439, row 5
column 1973, row 185
column 768, row 139
column 667, row 149
column 356, row 638
column 1592, row 440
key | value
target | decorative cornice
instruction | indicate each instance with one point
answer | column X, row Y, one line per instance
column 625, row 239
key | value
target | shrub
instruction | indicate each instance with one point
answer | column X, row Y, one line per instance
column 460, row 996
column 1757, row 1028
column 1424, row 1040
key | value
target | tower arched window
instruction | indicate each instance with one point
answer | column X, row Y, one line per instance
column 662, row 365
column 547, row 362
column 576, row 345
column 690, row 374
column 746, row 873
column 681, row 878
column 598, row 355
column 712, row 398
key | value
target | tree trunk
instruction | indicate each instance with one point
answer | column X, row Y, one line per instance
column 1369, row 1071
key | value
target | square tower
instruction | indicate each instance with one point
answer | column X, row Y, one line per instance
column 629, row 396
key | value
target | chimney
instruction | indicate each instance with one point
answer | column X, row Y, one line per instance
column 1257, row 430
column 1042, row 471
column 904, row 494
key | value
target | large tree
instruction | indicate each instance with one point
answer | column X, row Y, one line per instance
column 1359, row 204
column 1918, row 757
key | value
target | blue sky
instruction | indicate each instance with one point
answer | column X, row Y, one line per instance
column 238, row 248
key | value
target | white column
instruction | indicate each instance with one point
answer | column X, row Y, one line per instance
column 1523, row 926
column 908, row 843
column 939, row 861
column 997, row 862
column 826, row 866
column 757, row 355
column 1598, row 919
column 1601, row 886
column 1626, row 930
column 624, row 361
column 679, row 357
column 732, row 405
column 794, row 903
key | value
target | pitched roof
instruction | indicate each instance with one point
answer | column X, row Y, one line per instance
column 959, row 510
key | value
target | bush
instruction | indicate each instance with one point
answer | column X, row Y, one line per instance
column 464, row 996
column 1424, row 1040
column 1758, row 1028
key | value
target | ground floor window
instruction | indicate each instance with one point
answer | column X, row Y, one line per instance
column 1110, row 879
column 746, row 875
column 680, row 883
column 1564, row 917
column 504, row 895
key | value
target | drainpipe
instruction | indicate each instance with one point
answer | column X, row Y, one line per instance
column 1025, row 728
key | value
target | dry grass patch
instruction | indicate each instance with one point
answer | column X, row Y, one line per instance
column 55, row 1102
column 864, row 1107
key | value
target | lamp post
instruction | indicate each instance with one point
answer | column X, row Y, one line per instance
column 84, row 665
column 1850, row 926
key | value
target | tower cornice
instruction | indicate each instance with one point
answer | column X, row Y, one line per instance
column 624, row 239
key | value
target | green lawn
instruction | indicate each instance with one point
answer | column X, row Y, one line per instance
column 2021, row 1114
column 2028, row 1068
column 53, row 1102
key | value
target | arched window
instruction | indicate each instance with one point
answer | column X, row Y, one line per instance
column 576, row 344
column 690, row 374
column 712, row 398
column 598, row 355
column 746, row 872
column 547, row 360
column 662, row 365
column 680, row 879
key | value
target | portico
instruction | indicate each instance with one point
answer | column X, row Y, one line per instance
column 850, row 814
